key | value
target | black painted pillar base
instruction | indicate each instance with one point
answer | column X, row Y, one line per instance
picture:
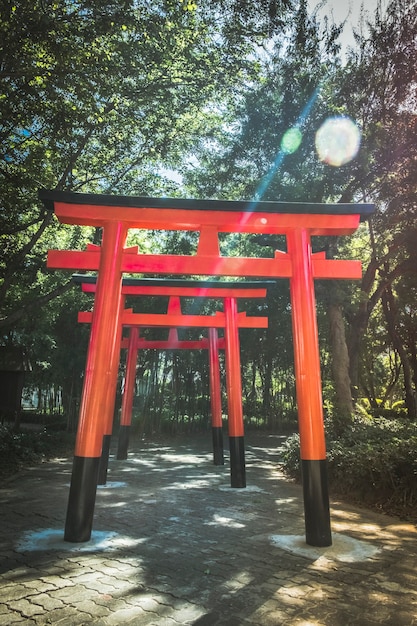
column 316, row 503
column 237, row 462
column 104, row 460
column 82, row 497
column 218, row 454
column 123, row 442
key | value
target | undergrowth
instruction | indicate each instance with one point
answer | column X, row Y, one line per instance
column 22, row 449
column 374, row 463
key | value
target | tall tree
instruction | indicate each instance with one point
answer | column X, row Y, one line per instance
column 269, row 151
column 385, row 99
column 100, row 96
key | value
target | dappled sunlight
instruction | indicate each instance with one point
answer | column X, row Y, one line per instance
column 219, row 520
column 184, row 459
column 176, row 543
column 285, row 501
column 239, row 581
column 195, row 483
column 390, row 536
column 111, row 485
column 138, row 461
column 244, row 491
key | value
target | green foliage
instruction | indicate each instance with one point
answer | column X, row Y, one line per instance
column 115, row 97
column 101, row 97
column 20, row 450
column 374, row 462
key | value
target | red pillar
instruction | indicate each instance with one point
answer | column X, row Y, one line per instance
column 215, row 398
column 309, row 390
column 128, row 393
column 92, row 420
column 111, row 397
column 234, row 395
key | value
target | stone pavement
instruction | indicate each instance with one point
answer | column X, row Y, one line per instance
column 174, row 544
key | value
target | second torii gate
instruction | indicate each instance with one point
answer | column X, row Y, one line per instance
column 231, row 320
column 298, row 222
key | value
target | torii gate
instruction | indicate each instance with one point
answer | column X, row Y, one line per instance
column 213, row 344
column 174, row 289
column 297, row 221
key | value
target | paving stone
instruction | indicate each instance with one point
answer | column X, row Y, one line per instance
column 91, row 607
column 123, row 616
column 58, row 581
column 47, row 602
column 15, row 618
column 13, row 592
column 68, row 594
column 67, row 617
column 25, row 608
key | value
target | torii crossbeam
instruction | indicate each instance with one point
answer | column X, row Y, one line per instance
column 299, row 222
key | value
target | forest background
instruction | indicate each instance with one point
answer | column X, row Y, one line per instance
column 218, row 99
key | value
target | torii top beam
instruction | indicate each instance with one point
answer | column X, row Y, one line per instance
column 209, row 218
column 184, row 288
column 223, row 215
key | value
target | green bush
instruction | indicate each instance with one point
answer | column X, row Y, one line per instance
column 375, row 462
column 19, row 450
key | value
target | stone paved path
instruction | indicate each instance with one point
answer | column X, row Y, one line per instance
column 174, row 544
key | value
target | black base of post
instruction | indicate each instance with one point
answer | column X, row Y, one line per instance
column 123, row 442
column 218, row 454
column 104, row 460
column 237, row 462
column 82, row 499
column 316, row 503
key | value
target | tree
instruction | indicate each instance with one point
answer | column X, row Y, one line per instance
column 101, row 97
column 385, row 100
column 269, row 151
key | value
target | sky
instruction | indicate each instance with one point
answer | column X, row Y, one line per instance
column 350, row 10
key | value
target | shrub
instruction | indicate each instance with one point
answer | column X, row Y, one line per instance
column 19, row 450
column 375, row 461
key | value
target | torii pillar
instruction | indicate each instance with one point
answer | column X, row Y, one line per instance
column 104, row 344
column 128, row 393
column 215, row 397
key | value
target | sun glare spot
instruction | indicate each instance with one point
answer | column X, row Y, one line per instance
column 291, row 140
column 337, row 141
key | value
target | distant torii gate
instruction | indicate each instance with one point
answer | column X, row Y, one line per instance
column 230, row 320
column 213, row 344
column 297, row 221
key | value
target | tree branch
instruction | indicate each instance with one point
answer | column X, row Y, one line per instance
column 35, row 303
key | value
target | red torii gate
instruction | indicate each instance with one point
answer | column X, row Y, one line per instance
column 297, row 221
column 174, row 288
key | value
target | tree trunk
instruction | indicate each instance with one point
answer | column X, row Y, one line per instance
column 389, row 306
column 343, row 409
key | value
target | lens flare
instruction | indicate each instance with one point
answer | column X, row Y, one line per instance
column 291, row 140
column 337, row 141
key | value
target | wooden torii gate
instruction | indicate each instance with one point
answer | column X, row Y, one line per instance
column 299, row 222
column 230, row 320
column 174, row 289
